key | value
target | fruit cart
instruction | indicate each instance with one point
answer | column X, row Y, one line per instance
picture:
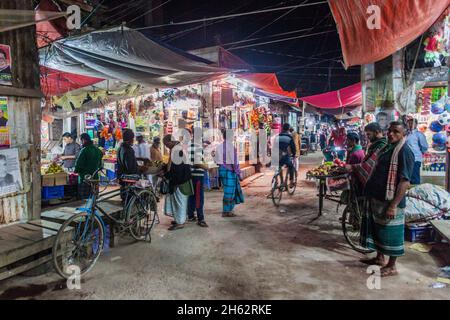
column 332, row 177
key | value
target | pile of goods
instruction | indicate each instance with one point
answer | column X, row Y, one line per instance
column 111, row 155
column 53, row 168
column 152, row 167
column 336, row 168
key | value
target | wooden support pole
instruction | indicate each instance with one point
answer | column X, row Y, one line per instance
column 25, row 119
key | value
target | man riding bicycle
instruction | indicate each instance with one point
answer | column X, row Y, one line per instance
column 287, row 149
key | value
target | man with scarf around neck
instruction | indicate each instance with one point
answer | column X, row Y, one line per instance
column 382, row 228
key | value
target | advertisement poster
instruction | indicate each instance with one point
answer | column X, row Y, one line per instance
column 10, row 177
column 5, row 65
column 5, row 140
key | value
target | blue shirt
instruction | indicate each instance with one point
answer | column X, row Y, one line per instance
column 418, row 144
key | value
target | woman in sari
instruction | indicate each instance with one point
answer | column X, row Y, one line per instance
column 229, row 173
column 180, row 186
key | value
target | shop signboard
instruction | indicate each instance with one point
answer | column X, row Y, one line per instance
column 5, row 65
column 5, row 140
column 10, row 176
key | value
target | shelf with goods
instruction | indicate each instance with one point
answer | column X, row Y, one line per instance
column 433, row 121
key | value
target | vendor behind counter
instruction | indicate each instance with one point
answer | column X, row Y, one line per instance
column 71, row 151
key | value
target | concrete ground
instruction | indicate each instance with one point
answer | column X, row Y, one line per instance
column 263, row 253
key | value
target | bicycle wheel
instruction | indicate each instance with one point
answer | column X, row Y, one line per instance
column 276, row 191
column 78, row 245
column 290, row 190
column 141, row 215
column 351, row 226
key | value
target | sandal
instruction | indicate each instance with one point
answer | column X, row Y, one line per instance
column 388, row 272
column 373, row 262
column 228, row 215
column 193, row 219
column 176, row 227
column 202, row 224
column 173, row 222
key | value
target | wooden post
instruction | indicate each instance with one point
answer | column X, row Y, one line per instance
column 24, row 102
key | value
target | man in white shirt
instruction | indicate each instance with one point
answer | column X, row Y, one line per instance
column 141, row 149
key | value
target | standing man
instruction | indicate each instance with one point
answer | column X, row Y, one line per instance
column 112, row 128
column 126, row 160
column 355, row 152
column 141, row 149
column 323, row 139
column 71, row 151
column 298, row 144
column 198, row 169
column 383, row 227
column 99, row 128
column 418, row 143
column 338, row 137
column 185, row 122
column 89, row 159
column 155, row 150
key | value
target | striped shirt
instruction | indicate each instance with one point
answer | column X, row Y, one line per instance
column 196, row 157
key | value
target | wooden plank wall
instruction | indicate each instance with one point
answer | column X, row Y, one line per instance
column 25, row 118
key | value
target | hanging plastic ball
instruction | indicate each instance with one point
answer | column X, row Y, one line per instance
column 447, row 106
column 437, row 108
column 435, row 126
column 444, row 119
column 439, row 147
column 448, row 142
column 439, row 138
column 447, row 128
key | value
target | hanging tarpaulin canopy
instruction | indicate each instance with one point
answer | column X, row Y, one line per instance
column 401, row 21
column 267, row 85
column 126, row 55
column 345, row 97
column 55, row 83
column 222, row 58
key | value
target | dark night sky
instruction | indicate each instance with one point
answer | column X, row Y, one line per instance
column 311, row 64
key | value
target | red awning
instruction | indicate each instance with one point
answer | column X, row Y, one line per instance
column 54, row 82
column 402, row 21
column 345, row 97
column 49, row 31
column 267, row 82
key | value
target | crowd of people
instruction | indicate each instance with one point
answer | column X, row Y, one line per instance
column 185, row 180
column 384, row 167
column 385, row 161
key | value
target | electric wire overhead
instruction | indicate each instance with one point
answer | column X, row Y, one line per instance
column 151, row 10
column 233, row 15
column 281, row 40
column 272, row 22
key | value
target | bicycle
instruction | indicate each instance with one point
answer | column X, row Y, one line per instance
column 279, row 185
column 79, row 242
column 352, row 217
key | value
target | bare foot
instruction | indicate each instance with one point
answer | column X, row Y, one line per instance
column 374, row 261
column 389, row 272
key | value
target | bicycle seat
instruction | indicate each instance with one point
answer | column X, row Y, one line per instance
column 130, row 178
